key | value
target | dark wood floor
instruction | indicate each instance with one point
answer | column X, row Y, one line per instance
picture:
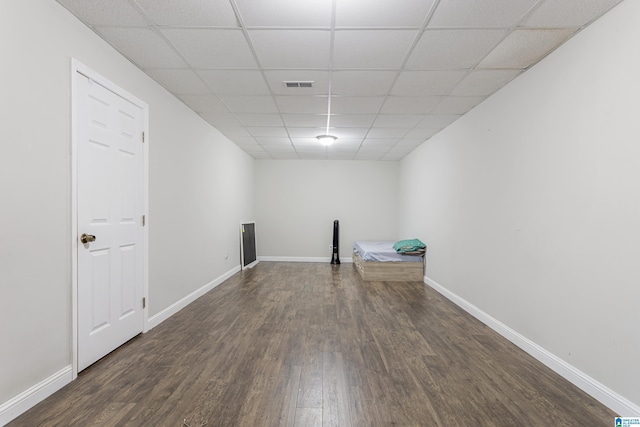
column 313, row 345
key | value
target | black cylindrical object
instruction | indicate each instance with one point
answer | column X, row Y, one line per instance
column 335, row 255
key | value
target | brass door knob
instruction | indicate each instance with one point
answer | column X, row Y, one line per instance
column 86, row 238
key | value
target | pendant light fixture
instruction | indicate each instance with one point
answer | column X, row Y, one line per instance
column 326, row 139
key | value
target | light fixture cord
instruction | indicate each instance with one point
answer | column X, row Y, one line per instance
column 333, row 28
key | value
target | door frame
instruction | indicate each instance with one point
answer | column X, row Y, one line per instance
column 78, row 68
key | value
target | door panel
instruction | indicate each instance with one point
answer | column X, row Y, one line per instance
column 110, row 206
column 128, row 278
column 99, row 289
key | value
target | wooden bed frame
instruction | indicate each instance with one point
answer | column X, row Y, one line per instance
column 389, row 271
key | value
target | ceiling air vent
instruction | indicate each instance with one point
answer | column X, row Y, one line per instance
column 298, row 84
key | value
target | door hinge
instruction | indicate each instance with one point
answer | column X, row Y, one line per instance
column 144, row 220
column 144, row 302
column 142, row 136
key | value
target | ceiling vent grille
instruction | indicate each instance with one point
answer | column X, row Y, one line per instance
column 298, row 84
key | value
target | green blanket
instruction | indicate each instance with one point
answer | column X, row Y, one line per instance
column 411, row 245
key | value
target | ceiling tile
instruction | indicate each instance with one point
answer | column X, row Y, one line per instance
column 212, row 48
column 405, row 148
column 312, row 156
column 356, row 104
column 522, row 48
column 409, row 143
column 426, row 83
column 245, row 141
column 276, row 78
column 343, row 134
column 259, row 155
column 372, row 142
column 374, row 153
column 237, row 133
column 346, row 144
column 302, row 104
column 204, row 103
column 567, row 13
column 354, row 83
column 457, row 104
column 235, row 82
column 305, row 120
column 119, row 13
column 353, row 48
column 180, row 82
column 421, row 133
column 222, row 120
column 278, row 148
column 285, row 13
column 438, row 121
column 260, row 119
column 291, row 48
column 272, row 141
column 369, row 156
column 485, row 13
column 397, row 154
column 394, row 154
column 409, row 105
column 377, row 13
column 352, row 120
column 299, row 142
column 143, row 46
column 373, row 149
column 254, row 149
column 250, row 104
column 286, row 156
column 348, row 133
column 378, row 132
column 397, row 120
column 312, row 144
column 484, row 82
column 306, row 132
column 310, row 148
column 340, row 155
column 267, row 131
column 193, row 13
column 460, row 48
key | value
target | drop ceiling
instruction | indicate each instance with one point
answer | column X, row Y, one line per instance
column 387, row 74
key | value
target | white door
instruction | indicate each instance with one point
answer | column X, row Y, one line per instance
column 110, row 197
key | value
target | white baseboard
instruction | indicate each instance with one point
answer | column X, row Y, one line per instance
column 163, row 315
column 301, row 259
column 600, row 392
column 26, row 400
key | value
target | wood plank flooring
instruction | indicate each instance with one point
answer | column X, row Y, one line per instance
column 287, row 344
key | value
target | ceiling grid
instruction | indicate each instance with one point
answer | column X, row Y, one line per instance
column 387, row 75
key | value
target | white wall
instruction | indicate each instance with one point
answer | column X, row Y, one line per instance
column 201, row 187
column 529, row 204
column 296, row 202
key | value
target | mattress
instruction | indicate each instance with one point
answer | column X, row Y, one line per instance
column 382, row 252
